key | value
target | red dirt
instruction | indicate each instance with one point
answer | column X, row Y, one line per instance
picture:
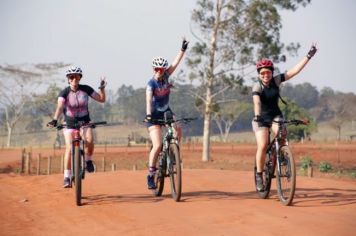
column 214, row 201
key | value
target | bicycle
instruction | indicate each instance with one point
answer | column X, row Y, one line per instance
column 78, row 157
column 278, row 154
column 169, row 161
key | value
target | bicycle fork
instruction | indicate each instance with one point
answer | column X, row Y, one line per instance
column 76, row 144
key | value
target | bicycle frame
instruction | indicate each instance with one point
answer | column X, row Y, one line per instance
column 78, row 157
column 275, row 145
column 169, row 159
column 77, row 142
column 278, row 153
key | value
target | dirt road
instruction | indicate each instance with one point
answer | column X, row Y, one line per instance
column 214, row 202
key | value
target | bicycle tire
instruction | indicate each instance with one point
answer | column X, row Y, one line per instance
column 175, row 172
column 286, row 178
column 160, row 175
column 268, row 172
column 77, row 175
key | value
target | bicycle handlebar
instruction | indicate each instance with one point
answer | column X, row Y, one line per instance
column 170, row 121
column 91, row 125
column 293, row 122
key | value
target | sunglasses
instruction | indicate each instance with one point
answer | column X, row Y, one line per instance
column 71, row 77
column 267, row 72
column 159, row 69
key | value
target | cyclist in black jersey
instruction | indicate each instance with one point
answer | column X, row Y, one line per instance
column 265, row 94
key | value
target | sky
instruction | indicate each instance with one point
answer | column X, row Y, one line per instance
column 119, row 39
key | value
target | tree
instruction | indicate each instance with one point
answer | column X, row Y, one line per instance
column 232, row 34
column 17, row 88
column 131, row 103
column 337, row 107
column 291, row 110
column 227, row 115
column 305, row 95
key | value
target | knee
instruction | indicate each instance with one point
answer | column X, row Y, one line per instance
column 262, row 147
column 156, row 147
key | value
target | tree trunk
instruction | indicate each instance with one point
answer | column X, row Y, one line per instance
column 206, row 139
column 207, row 119
column 9, row 134
column 209, row 87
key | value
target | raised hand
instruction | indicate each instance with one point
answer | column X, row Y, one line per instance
column 103, row 83
column 312, row 51
column 184, row 45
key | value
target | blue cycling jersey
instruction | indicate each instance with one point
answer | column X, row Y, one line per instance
column 160, row 91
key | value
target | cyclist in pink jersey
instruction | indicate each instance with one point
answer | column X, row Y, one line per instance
column 73, row 103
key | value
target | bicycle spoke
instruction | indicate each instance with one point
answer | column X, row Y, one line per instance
column 286, row 177
column 175, row 172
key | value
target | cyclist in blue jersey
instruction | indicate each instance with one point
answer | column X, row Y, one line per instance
column 157, row 102
column 73, row 103
column 265, row 94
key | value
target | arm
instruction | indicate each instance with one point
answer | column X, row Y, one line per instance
column 256, row 105
column 178, row 58
column 148, row 102
column 57, row 113
column 101, row 97
column 256, row 92
column 298, row 67
column 59, row 109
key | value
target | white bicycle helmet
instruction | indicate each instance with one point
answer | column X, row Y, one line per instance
column 160, row 62
column 74, row 70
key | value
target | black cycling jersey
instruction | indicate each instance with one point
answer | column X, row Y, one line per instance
column 269, row 96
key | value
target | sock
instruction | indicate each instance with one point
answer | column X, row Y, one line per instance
column 67, row 173
column 88, row 158
column 151, row 170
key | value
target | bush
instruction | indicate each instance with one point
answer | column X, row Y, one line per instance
column 325, row 167
column 306, row 162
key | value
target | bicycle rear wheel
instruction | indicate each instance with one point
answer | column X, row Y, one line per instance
column 175, row 172
column 160, row 175
column 77, row 175
column 267, row 175
column 286, row 177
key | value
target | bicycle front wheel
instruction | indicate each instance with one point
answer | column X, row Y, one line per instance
column 175, row 172
column 78, row 175
column 286, row 176
column 160, row 175
column 266, row 176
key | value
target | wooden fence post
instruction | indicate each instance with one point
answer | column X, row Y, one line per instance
column 39, row 164
column 103, row 163
column 49, row 165
column 310, row 171
column 113, row 167
column 28, row 163
column 62, row 163
column 23, row 160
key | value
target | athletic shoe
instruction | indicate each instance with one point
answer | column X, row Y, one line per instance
column 151, row 182
column 259, row 183
column 67, row 183
column 89, row 166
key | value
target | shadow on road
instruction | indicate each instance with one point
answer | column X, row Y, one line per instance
column 102, row 199
column 216, row 195
column 311, row 197
column 304, row 197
